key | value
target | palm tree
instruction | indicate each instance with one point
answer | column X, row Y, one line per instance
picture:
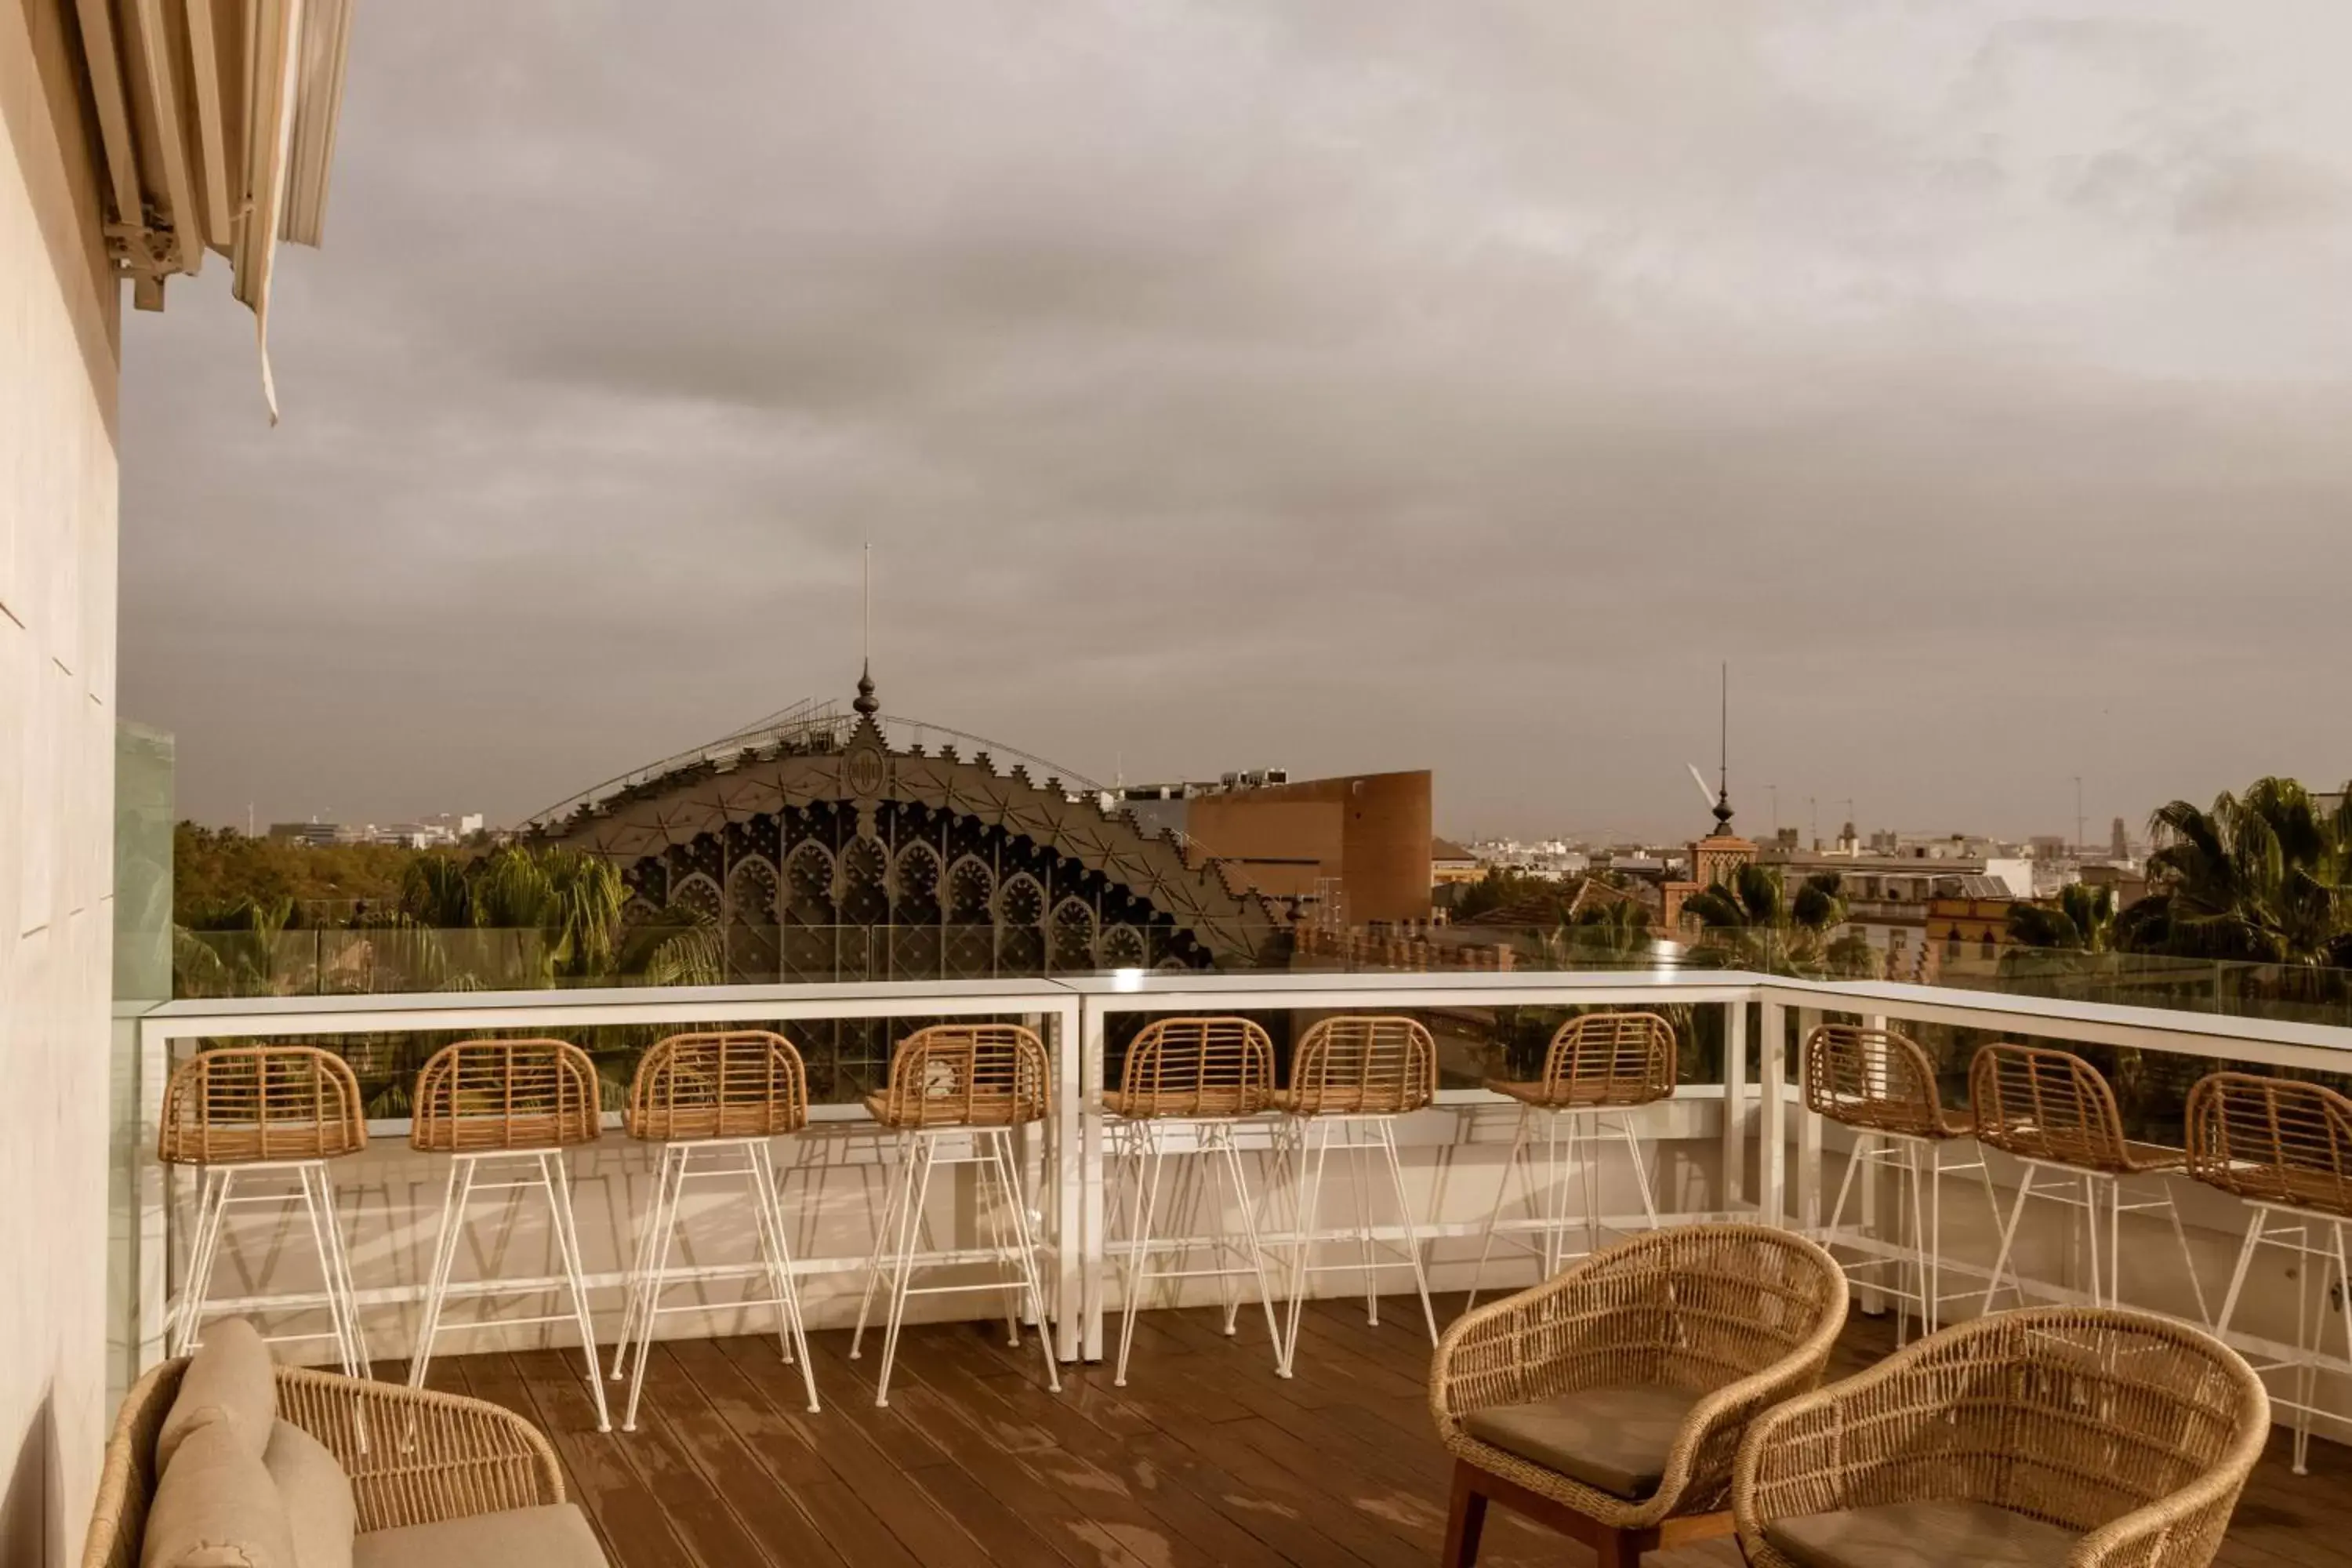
column 573, row 900
column 2264, row 877
column 2083, row 920
column 1750, row 921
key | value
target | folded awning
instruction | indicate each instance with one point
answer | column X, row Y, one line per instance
column 216, row 119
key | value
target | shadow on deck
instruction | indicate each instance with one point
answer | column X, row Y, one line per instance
column 1206, row 1459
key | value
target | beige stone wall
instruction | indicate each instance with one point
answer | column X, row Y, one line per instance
column 59, row 325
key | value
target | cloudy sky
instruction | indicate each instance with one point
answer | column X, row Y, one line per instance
column 1357, row 385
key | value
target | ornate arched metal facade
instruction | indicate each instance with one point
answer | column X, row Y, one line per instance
column 845, row 860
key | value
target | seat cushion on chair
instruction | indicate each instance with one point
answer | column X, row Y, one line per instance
column 215, row 1507
column 319, row 1508
column 229, row 1378
column 1922, row 1536
column 557, row 1536
column 1614, row 1439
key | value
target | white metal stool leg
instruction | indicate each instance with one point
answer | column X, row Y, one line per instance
column 776, row 1246
column 1511, row 1163
column 559, row 1188
column 1411, row 1231
column 1313, row 1147
column 459, row 1190
column 2009, row 1241
column 1144, row 1204
column 1025, row 1238
column 646, row 1287
column 1242, row 1202
column 212, row 1203
column 640, row 1261
column 1641, row 1173
column 910, row 1230
column 895, row 1193
column 1363, row 1197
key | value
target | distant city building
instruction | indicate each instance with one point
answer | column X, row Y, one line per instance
column 432, row 832
column 1366, row 836
column 2048, row 846
column 314, row 834
column 1452, row 864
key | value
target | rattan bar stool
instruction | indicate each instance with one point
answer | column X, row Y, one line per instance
column 515, row 1106
column 956, row 1093
column 1350, row 1077
column 255, row 1116
column 2054, row 1111
column 1188, row 1084
column 717, row 1098
column 1597, row 1069
column 2283, row 1148
column 1882, row 1084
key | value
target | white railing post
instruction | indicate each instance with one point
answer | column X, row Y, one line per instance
column 1088, row 1192
column 1772, row 1159
column 1735, row 1106
column 1867, row 1184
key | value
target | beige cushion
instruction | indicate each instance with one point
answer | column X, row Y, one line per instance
column 317, row 1496
column 228, row 1380
column 553, row 1537
column 1922, row 1536
column 1615, row 1439
column 215, row 1507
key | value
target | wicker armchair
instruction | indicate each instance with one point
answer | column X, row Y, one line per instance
column 2076, row 1437
column 456, row 1458
column 2054, row 1111
column 1609, row 1403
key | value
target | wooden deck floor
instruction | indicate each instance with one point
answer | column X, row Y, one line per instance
column 1206, row 1459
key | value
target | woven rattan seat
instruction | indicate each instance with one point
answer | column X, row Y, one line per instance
column 2051, row 1109
column 248, row 1115
column 964, row 1075
column 1724, row 1320
column 255, row 1104
column 1186, row 1085
column 517, row 1105
column 2272, row 1141
column 715, row 1099
column 1602, row 1059
column 1350, row 1077
column 1597, row 1064
column 957, row 1094
column 483, row 1095
column 740, row 1083
column 2131, row 1431
column 2042, row 1104
column 2283, row 1147
column 1876, row 1078
column 1195, row 1067
column 1360, row 1064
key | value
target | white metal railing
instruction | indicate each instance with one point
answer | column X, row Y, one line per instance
column 1765, row 1118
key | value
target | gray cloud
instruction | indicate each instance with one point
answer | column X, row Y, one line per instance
column 1337, row 385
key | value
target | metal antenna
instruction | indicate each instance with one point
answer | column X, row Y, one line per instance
column 865, row 704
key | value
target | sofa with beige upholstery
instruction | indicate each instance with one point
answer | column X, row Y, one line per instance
column 222, row 1460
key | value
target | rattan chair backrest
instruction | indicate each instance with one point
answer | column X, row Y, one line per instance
column 240, row 1104
column 483, row 1096
column 1364, row 1065
column 735, row 1083
column 2046, row 1105
column 1611, row 1059
column 1198, row 1066
column 2274, row 1140
column 966, row 1075
column 1876, row 1078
